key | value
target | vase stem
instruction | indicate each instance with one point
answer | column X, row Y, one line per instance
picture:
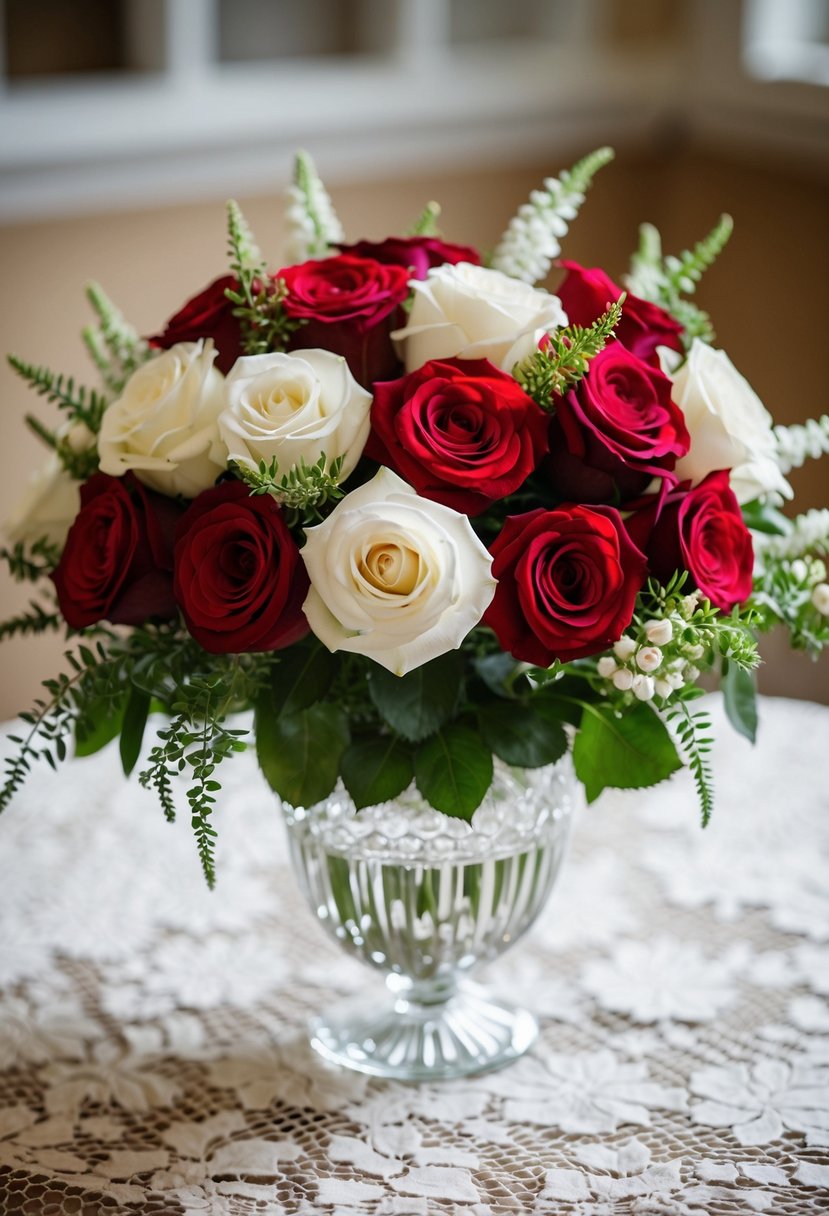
column 410, row 995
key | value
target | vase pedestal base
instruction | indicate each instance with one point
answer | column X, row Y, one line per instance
column 423, row 1033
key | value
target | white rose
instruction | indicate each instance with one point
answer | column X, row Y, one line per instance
column 730, row 428
column 48, row 507
column 164, row 426
column 295, row 407
column 394, row 576
column 475, row 313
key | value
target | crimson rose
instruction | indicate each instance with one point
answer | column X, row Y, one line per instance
column 460, row 431
column 239, row 579
column 701, row 531
column 567, row 583
column 587, row 293
column 419, row 254
column 615, row 430
column 350, row 306
column 118, row 559
column 208, row 315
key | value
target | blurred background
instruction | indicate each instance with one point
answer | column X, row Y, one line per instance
column 124, row 125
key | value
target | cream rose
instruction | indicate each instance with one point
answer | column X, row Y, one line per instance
column 730, row 428
column 475, row 313
column 47, row 508
column 294, row 407
column 164, row 426
column 394, row 576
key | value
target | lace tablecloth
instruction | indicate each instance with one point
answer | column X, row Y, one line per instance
column 152, row 1055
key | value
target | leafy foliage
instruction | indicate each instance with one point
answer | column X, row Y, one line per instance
column 627, row 751
column 31, row 621
column 426, row 223
column 453, row 770
column 80, row 404
column 258, row 299
column 693, row 733
column 419, row 703
column 303, row 491
column 30, row 562
column 666, row 280
column 561, row 363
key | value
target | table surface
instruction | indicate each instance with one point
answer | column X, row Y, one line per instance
column 153, row 1060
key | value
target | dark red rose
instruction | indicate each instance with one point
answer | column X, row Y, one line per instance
column 587, row 293
column 701, row 531
column 350, row 306
column 459, row 430
column 239, row 579
column 118, row 559
column 207, row 315
column 418, row 254
column 567, row 583
column 615, row 430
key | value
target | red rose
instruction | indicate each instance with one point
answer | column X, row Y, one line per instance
column 207, row 315
column 587, row 293
column 117, row 562
column 567, row 583
column 459, row 430
column 350, row 306
column 701, row 531
column 419, row 254
column 615, row 430
column 239, row 579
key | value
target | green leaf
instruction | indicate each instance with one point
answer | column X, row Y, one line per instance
column 501, row 672
column 132, row 728
column 375, row 770
column 302, row 677
column 417, row 704
column 300, row 753
column 99, row 723
column 762, row 517
column 453, row 770
column 740, row 697
column 628, row 752
column 520, row 735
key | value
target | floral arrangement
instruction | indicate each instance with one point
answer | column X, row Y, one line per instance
column 415, row 512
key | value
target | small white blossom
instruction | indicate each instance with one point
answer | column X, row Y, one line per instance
column 643, row 688
column 623, row 679
column 695, row 651
column 688, row 605
column 675, row 679
column 624, row 648
column 820, row 598
column 648, row 658
column 606, row 666
column 691, row 673
column 659, row 633
column 663, row 688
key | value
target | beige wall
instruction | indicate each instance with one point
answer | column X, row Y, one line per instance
column 767, row 296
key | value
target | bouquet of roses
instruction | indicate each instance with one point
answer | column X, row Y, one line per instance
column 415, row 512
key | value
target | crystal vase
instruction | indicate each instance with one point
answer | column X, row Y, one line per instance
column 426, row 899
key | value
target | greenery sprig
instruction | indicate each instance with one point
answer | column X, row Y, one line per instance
column 666, row 280
column 303, row 491
column 29, row 562
column 551, row 371
column 315, row 229
column 81, row 405
column 115, row 346
column 258, row 299
column 426, row 223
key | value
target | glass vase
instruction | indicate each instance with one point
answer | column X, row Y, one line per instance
column 426, row 899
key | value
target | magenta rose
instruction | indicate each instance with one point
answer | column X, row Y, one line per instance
column 460, row 431
column 418, row 254
column 615, row 430
column 587, row 293
column 118, row 559
column 239, row 579
column 208, row 315
column 700, row 530
column 567, row 583
column 349, row 305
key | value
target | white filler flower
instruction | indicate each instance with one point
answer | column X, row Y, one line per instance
column 164, row 426
column 294, row 408
column 394, row 576
column 474, row 313
column 730, row 428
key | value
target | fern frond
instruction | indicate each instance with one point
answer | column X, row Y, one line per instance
column 694, row 735
column 258, row 299
column 33, row 620
column 548, row 372
column 81, row 404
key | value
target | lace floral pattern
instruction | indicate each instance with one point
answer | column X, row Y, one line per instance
column 153, row 1059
